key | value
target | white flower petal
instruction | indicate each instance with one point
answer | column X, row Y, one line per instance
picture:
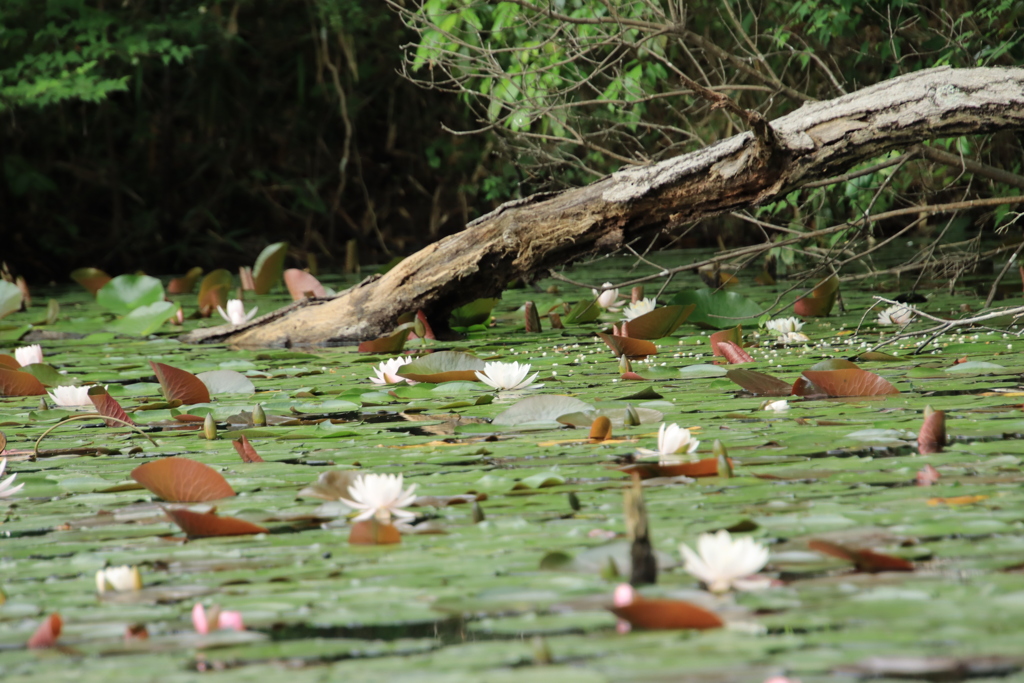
column 70, row 396
column 27, row 355
column 639, row 308
column 723, row 563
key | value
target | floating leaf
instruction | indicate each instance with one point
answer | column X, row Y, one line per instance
column 269, row 264
column 48, row 375
column 46, row 634
column 706, row 467
column 661, row 322
column 180, row 385
column 125, row 293
column 92, row 279
column 932, row 437
column 8, row 361
column 372, row 532
column 16, row 383
column 107, row 406
column 541, row 480
column 301, row 284
column 819, row 302
column 391, row 343
column 759, row 383
column 865, row 560
column 204, row 525
column 213, row 291
column 879, row 356
column 245, row 450
column 856, row 382
column 186, row 283
column 734, row 354
column 977, row 367
column 145, row 320
column 546, row 408
column 331, row 485
column 10, row 298
column 666, row 615
column 226, row 382
column 180, row 480
column 443, row 366
column 473, row 313
column 628, row 347
column 718, row 309
column 834, row 364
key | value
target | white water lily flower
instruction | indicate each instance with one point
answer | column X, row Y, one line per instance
column 7, row 488
column 606, row 298
column 506, row 375
column 897, row 314
column 387, row 372
column 781, row 326
column 70, row 397
column 27, row 355
column 672, row 440
column 723, row 562
column 777, row 406
column 787, row 330
column 638, row 308
column 116, row 579
column 236, row 314
column 380, row 496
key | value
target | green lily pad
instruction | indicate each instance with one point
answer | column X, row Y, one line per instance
column 125, row 293
column 719, row 309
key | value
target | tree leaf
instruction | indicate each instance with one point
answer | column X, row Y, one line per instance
column 213, row 291
column 125, row 293
column 269, row 264
column 759, row 383
column 92, row 279
column 180, row 480
column 204, row 525
column 47, row 633
column 855, row 382
column 473, row 313
column 819, row 302
column 245, row 450
column 16, row 383
column 186, row 283
column 301, row 284
column 661, row 322
column 718, row 309
column 628, row 347
column 10, row 298
column 107, row 406
column 443, row 366
column 180, row 385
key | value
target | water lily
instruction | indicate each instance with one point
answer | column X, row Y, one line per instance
column 638, row 308
column 218, row 620
column 387, row 372
column 380, row 496
column 606, row 298
column 672, row 440
column 777, row 406
column 70, row 396
column 27, row 355
column 7, row 488
column 116, row 579
column 897, row 314
column 624, row 596
column 724, row 563
column 506, row 375
column 787, row 329
column 236, row 314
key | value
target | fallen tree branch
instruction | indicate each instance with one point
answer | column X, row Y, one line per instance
column 528, row 237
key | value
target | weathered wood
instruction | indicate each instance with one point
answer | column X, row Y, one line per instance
column 530, row 236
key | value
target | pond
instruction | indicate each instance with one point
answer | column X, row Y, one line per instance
column 516, row 585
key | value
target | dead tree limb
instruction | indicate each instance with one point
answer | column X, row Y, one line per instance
column 525, row 238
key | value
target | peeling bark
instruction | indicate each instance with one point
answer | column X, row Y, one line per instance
column 530, row 236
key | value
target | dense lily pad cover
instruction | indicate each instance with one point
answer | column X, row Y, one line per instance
column 870, row 568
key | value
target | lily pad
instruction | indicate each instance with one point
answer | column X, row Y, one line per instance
column 125, row 293
column 541, row 409
column 718, row 309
